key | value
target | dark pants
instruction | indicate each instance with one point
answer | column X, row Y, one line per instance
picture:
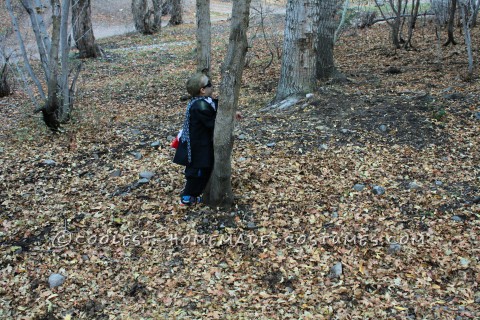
column 197, row 179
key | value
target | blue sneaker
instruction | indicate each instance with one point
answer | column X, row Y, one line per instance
column 188, row 201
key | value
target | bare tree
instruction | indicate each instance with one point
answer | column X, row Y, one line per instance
column 299, row 60
column 467, row 10
column 451, row 23
column 396, row 6
column 5, row 89
column 411, row 23
column 82, row 29
column 147, row 19
column 176, row 13
column 157, row 14
column 327, row 25
column 57, row 103
column 204, row 41
column 219, row 193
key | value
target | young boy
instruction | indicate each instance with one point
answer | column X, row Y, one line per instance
column 195, row 149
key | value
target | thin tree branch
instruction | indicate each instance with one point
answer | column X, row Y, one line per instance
column 24, row 51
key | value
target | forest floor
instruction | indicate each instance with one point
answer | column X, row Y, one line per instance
column 361, row 202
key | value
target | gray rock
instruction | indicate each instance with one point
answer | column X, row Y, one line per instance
column 143, row 181
column 413, row 186
column 464, row 262
column 454, row 96
column 85, row 257
column 438, row 183
column 477, row 116
column 383, row 128
column 55, row 280
column 155, row 144
column 242, row 159
column 251, row 225
column 146, row 175
column 49, row 162
column 1, row 150
column 271, row 144
column 337, row 270
column 322, row 128
column 394, row 248
column 136, row 132
column 425, row 98
column 335, row 215
column 242, row 137
column 477, row 297
column 137, row 155
column 457, row 219
column 378, row 190
column 323, row 147
column 116, row 173
column 359, row 187
column 345, row 131
column 309, row 95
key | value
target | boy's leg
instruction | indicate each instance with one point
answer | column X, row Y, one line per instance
column 197, row 179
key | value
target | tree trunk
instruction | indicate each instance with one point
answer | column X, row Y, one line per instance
column 467, row 17
column 204, row 41
column 396, row 23
column 50, row 111
column 413, row 21
column 82, row 29
column 147, row 20
column 475, row 13
column 298, row 70
column 176, row 14
column 4, row 85
column 451, row 23
column 157, row 15
column 220, row 192
column 326, row 39
column 58, row 101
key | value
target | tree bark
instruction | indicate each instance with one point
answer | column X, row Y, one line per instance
column 326, row 39
column 50, row 111
column 4, row 85
column 157, row 15
column 300, row 49
column 467, row 17
column 220, row 192
column 37, row 26
column 204, row 42
column 176, row 14
column 57, row 103
column 82, row 29
column 451, row 23
column 32, row 74
column 412, row 22
column 147, row 20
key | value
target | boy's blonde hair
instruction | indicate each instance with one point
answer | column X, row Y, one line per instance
column 195, row 83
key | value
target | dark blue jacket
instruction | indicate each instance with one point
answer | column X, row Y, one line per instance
column 202, row 124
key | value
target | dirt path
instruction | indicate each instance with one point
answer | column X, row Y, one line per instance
column 111, row 18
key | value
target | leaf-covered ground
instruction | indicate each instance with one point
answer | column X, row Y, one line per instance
column 404, row 121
